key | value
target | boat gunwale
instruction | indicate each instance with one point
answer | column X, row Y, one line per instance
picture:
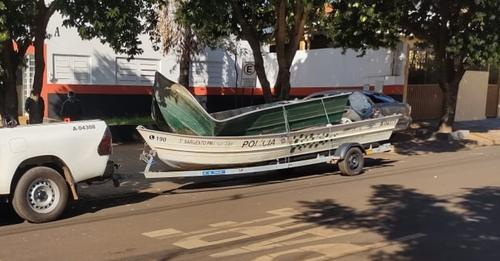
column 263, row 136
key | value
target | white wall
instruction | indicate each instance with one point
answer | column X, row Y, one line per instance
column 102, row 58
column 216, row 68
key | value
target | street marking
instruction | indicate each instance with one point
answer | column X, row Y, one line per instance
column 276, row 214
column 313, row 234
column 300, row 233
column 224, row 224
column 236, row 234
column 162, row 233
column 336, row 250
column 284, row 212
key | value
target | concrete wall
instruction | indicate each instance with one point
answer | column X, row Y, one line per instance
column 471, row 102
column 331, row 68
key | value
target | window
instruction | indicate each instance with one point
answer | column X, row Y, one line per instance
column 71, row 68
column 136, row 71
column 28, row 74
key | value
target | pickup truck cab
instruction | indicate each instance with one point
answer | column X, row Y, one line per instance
column 41, row 164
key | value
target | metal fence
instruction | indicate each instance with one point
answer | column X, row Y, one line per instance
column 426, row 101
column 492, row 102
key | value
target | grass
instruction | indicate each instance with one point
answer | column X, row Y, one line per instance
column 136, row 120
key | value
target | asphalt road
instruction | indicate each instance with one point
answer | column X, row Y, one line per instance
column 440, row 206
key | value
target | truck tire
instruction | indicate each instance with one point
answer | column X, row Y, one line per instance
column 353, row 162
column 41, row 195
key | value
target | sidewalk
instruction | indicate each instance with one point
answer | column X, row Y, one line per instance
column 484, row 132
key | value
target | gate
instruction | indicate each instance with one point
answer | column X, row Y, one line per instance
column 492, row 101
column 426, row 101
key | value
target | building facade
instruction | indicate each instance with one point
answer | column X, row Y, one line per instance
column 111, row 85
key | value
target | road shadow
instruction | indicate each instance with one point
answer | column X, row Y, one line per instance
column 422, row 139
column 419, row 146
column 8, row 216
column 452, row 227
column 86, row 206
column 81, row 207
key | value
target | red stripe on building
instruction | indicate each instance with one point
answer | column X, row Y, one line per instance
column 295, row 91
column 393, row 89
column 200, row 90
column 99, row 89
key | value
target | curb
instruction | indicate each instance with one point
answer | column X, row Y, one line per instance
column 484, row 138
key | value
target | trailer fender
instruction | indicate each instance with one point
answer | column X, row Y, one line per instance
column 342, row 150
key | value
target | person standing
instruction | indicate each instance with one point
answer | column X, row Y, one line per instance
column 71, row 108
column 35, row 107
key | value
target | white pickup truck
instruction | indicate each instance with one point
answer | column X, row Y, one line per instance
column 40, row 165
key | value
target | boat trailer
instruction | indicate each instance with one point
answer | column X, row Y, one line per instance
column 348, row 157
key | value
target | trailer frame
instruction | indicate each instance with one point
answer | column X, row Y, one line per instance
column 333, row 157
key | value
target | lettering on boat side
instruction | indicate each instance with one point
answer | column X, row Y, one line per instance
column 258, row 143
column 206, row 142
column 387, row 123
column 157, row 138
column 213, row 172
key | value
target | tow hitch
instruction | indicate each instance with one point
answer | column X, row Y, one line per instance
column 109, row 174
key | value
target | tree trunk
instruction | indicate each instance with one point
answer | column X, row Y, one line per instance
column 280, row 41
column 39, row 62
column 451, row 74
column 185, row 59
column 184, row 70
column 286, row 52
column 261, row 71
column 42, row 19
column 10, row 64
column 250, row 34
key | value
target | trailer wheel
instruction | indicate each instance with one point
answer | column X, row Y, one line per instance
column 41, row 195
column 353, row 162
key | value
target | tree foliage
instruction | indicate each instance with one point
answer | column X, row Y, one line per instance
column 461, row 33
column 176, row 37
column 259, row 22
column 17, row 16
column 3, row 25
column 116, row 22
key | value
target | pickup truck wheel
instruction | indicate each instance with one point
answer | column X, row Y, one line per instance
column 353, row 162
column 41, row 195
